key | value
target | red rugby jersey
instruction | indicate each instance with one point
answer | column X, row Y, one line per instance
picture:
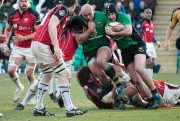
column 42, row 34
column 24, row 24
column 67, row 43
column 147, row 29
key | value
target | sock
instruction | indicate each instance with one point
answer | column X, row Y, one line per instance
column 107, row 86
column 125, row 77
column 56, row 80
column 16, row 81
column 51, row 86
column 112, row 74
column 154, row 91
column 42, row 88
column 150, row 72
column 65, row 93
column 151, row 99
column 29, row 95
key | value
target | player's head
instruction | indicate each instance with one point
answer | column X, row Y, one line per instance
column 111, row 11
column 87, row 12
column 83, row 75
column 147, row 13
column 23, row 4
column 57, row 2
column 70, row 4
column 77, row 10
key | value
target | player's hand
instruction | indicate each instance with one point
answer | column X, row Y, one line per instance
column 118, row 28
column 167, row 45
column 6, row 50
column 58, row 54
column 109, row 32
column 92, row 27
column 3, row 37
column 158, row 44
column 18, row 38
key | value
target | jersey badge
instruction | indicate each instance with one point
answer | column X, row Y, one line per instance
column 141, row 49
column 25, row 20
column 61, row 12
column 99, row 24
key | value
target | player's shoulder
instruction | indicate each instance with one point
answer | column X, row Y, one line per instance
column 33, row 12
column 12, row 13
column 176, row 9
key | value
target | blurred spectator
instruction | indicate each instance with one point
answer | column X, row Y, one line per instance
column 4, row 10
column 111, row 1
column 132, row 11
column 151, row 4
column 120, row 7
column 46, row 6
column 136, row 3
column 142, row 7
column 35, row 2
column 125, row 3
column 96, row 4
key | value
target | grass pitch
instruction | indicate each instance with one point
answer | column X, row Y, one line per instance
column 79, row 99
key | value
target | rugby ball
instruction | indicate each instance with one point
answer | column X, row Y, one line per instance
column 111, row 25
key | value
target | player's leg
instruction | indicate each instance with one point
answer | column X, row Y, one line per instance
column 104, row 54
column 59, row 68
column 31, row 92
column 42, row 88
column 51, row 93
column 15, row 61
column 141, row 86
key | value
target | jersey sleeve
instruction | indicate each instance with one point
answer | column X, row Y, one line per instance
column 174, row 18
column 61, row 12
column 124, row 19
column 37, row 19
column 96, row 91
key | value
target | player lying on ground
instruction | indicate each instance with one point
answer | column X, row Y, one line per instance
column 101, row 98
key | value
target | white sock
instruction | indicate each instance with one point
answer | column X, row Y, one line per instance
column 56, row 80
column 29, row 95
column 16, row 81
column 30, row 83
column 125, row 77
column 42, row 88
column 40, row 76
column 51, row 86
column 65, row 93
column 150, row 72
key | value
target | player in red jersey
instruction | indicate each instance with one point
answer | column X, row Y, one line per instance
column 25, row 21
column 169, row 92
column 49, row 57
column 94, row 91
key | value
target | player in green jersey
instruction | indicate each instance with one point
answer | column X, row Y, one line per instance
column 133, row 50
column 96, row 47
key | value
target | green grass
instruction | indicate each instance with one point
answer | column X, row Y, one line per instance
column 79, row 99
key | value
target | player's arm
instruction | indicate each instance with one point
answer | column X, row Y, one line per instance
column 1, row 2
column 7, row 32
column 127, row 27
column 100, row 94
column 82, row 36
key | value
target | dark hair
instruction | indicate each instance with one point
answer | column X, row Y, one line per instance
column 69, row 3
column 83, row 75
column 56, row 2
column 77, row 10
column 111, row 8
